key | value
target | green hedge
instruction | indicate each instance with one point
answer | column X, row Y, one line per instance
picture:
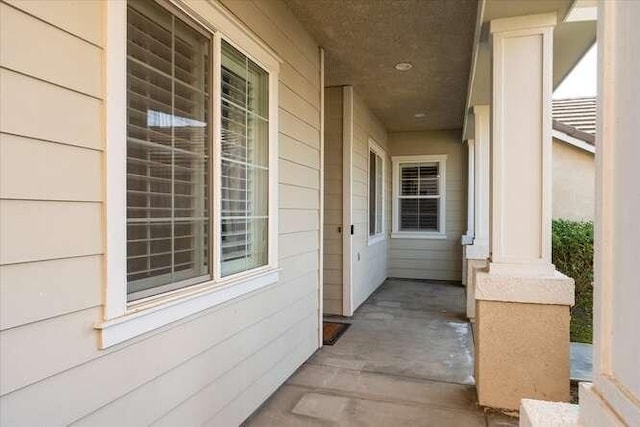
column 573, row 255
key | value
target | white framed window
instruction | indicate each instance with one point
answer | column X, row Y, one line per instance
column 375, row 184
column 191, row 207
column 419, row 197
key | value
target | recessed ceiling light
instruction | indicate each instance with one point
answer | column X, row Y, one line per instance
column 404, row 66
column 419, row 115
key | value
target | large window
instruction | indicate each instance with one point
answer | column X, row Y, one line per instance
column 168, row 152
column 419, row 196
column 376, row 192
column 192, row 138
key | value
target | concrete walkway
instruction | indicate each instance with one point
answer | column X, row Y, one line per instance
column 407, row 360
column 581, row 362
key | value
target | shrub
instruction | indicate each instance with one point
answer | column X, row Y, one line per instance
column 572, row 245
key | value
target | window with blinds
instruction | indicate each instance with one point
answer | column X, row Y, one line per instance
column 375, row 194
column 168, row 151
column 419, row 197
column 244, row 163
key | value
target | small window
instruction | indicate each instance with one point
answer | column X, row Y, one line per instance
column 376, row 191
column 419, row 196
column 245, row 163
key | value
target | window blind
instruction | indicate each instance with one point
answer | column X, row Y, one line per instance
column 244, row 163
column 419, row 200
column 168, row 149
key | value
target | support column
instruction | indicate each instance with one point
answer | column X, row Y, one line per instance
column 614, row 397
column 477, row 251
column 522, row 302
column 467, row 238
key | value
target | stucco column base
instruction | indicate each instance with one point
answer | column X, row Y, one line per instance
column 473, row 265
column 538, row 413
column 522, row 350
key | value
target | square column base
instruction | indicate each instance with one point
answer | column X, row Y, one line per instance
column 522, row 350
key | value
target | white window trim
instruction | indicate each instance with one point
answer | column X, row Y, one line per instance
column 379, row 151
column 442, row 221
column 122, row 320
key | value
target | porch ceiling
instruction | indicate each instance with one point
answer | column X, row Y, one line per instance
column 365, row 39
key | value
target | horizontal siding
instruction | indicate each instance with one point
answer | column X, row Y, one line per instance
column 35, row 291
column 332, row 306
column 235, row 412
column 300, row 175
column 219, row 364
column 38, row 109
column 295, row 128
column 126, row 367
column 83, row 19
column 54, row 172
column 241, row 378
column 299, row 106
column 208, row 369
column 294, row 243
column 295, row 197
column 369, row 262
column 33, row 230
column 436, row 259
column 295, row 151
column 332, row 274
column 47, row 48
column 293, row 221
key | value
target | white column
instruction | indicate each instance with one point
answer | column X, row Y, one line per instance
column 467, row 238
column 522, row 303
column 476, row 251
column 614, row 397
column 480, row 247
column 521, row 137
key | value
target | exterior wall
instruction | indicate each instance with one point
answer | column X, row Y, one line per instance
column 435, row 259
column 573, row 182
column 332, row 291
column 368, row 262
column 215, row 367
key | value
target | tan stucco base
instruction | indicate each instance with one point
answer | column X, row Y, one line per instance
column 473, row 265
column 522, row 351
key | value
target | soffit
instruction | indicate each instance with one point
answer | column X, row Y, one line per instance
column 364, row 39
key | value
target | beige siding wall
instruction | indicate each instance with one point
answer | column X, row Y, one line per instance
column 573, row 182
column 332, row 292
column 215, row 367
column 431, row 258
column 368, row 262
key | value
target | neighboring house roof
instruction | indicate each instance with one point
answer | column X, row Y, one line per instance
column 579, row 113
column 574, row 122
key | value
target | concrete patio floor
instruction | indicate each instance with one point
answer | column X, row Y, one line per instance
column 407, row 359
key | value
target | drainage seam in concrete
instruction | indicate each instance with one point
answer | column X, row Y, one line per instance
column 417, row 379
column 355, row 395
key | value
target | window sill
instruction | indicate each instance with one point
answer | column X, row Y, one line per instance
column 372, row 240
column 146, row 317
column 417, row 235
